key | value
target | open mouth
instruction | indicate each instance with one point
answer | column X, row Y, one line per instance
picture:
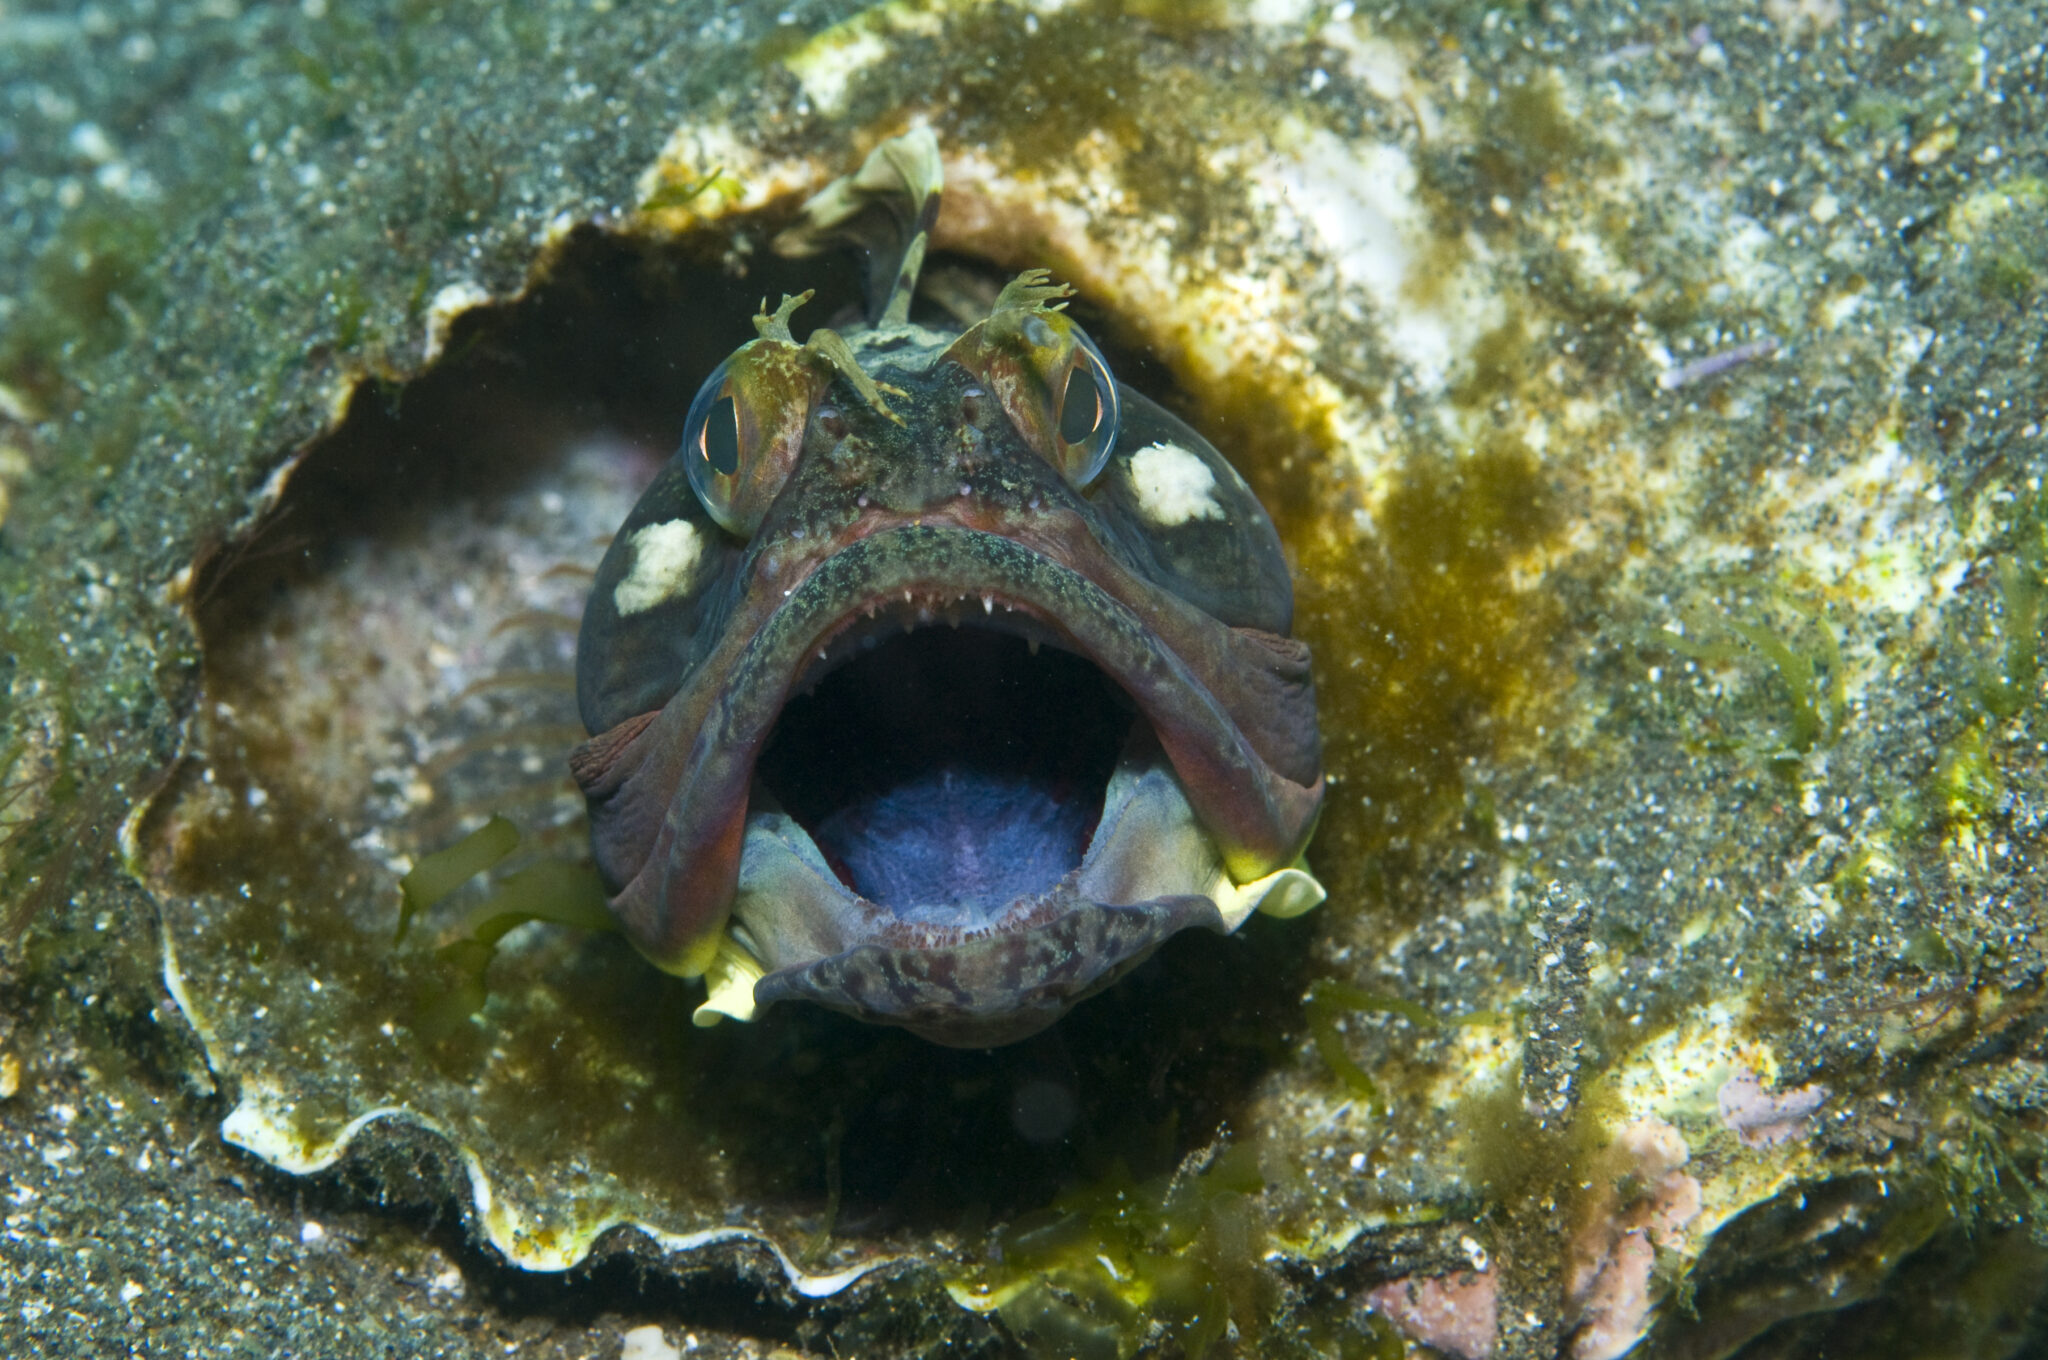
column 950, row 783
column 948, row 773
column 959, row 824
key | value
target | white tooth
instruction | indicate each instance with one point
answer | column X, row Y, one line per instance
column 1032, row 643
column 988, row 604
column 906, row 597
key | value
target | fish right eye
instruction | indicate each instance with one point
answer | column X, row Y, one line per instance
column 719, row 441
column 711, row 448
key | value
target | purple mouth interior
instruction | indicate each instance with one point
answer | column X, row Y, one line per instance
column 947, row 773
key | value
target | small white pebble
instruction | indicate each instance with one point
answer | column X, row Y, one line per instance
column 647, row 1343
column 311, row 1232
column 1474, row 1253
column 130, row 1292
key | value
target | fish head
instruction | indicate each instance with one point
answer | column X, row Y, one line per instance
column 939, row 678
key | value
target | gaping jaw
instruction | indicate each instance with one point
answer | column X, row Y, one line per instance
column 941, row 834
column 966, row 830
column 947, row 766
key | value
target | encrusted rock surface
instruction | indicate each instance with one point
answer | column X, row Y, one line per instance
column 1652, row 409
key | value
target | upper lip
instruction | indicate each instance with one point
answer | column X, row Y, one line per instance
column 1250, row 773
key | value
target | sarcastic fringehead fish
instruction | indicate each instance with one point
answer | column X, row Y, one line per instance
column 939, row 678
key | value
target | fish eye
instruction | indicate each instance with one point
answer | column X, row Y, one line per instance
column 1089, row 413
column 745, row 430
column 719, row 441
column 711, row 445
column 1081, row 412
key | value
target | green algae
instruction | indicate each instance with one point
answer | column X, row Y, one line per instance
column 556, row 891
column 1330, row 999
column 1528, row 140
column 1805, row 673
column 2005, row 689
column 1511, row 1157
column 714, row 180
column 1041, row 91
column 1966, row 784
column 93, row 290
column 1992, row 1165
column 1427, row 655
column 1865, row 862
column 1322, row 1011
column 1813, row 679
column 441, row 873
column 1106, row 1262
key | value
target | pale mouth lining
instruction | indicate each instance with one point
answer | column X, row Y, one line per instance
column 947, row 774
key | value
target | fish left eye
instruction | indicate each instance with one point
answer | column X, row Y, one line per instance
column 1048, row 377
column 1089, row 413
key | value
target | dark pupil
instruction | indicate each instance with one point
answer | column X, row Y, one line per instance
column 1083, row 406
column 722, row 438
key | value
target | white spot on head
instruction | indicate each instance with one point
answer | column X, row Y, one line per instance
column 1173, row 485
column 665, row 558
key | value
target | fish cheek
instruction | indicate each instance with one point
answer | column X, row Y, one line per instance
column 1212, row 543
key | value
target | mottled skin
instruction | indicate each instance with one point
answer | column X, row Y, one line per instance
column 920, row 503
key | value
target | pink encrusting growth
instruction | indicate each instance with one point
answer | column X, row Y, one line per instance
column 1616, row 1245
column 1456, row 1314
column 1761, row 1119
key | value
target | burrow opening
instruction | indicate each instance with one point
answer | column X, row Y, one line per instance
column 388, row 659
